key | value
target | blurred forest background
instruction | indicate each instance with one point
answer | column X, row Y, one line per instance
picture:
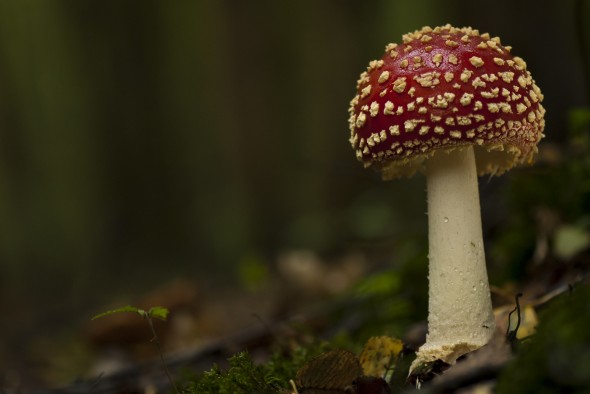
column 143, row 142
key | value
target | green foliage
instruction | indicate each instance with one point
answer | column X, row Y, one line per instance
column 157, row 312
column 557, row 359
column 570, row 240
column 253, row 272
column 127, row 308
column 382, row 284
column 579, row 121
column 379, row 306
column 244, row 376
column 558, row 185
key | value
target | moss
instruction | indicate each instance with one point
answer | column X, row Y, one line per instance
column 243, row 376
column 246, row 376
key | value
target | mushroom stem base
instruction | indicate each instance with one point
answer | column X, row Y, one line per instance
column 460, row 317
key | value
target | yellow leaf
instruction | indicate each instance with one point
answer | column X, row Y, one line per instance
column 528, row 322
column 380, row 355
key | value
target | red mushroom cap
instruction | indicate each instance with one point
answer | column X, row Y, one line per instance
column 441, row 89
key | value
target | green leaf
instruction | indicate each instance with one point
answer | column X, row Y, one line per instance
column 579, row 120
column 159, row 312
column 127, row 308
column 570, row 240
column 253, row 272
column 384, row 283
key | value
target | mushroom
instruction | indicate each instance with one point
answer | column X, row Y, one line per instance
column 451, row 103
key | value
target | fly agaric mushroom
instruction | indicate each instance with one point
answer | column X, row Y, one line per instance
column 453, row 103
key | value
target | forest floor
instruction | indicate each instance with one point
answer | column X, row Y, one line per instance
column 538, row 340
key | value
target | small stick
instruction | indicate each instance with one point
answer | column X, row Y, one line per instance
column 511, row 335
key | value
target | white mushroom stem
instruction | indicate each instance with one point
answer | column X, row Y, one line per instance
column 460, row 317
